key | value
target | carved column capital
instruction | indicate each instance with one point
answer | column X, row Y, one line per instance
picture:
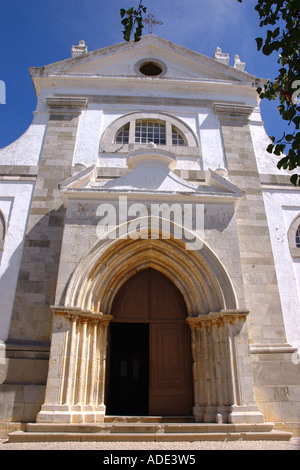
column 80, row 315
column 217, row 318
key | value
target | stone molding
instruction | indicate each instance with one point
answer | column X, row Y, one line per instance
column 66, row 104
column 26, row 350
column 151, row 100
column 146, row 100
column 272, row 348
column 230, row 111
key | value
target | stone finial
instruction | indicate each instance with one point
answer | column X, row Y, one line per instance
column 221, row 172
column 238, row 64
column 151, row 145
column 221, row 56
column 79, row 50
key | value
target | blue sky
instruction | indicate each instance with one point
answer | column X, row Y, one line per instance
column 35, row 33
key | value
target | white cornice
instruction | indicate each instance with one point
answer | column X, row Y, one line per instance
column 84, row 85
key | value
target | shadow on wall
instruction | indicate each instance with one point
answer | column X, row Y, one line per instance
column 25, row 354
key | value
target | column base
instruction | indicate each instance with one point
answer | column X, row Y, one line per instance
column 211, row 414
column 245, row 414
column 66, row 414
column 228, row 414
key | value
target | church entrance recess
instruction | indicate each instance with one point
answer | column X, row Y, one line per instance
column 129, row 370
column 150, row 344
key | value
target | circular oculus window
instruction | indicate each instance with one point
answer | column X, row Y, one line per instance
column 150, row 68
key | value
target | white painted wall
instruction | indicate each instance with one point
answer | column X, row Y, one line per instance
column 213, row 155
column 27, row 149
column 266, row 162
column 96, row 118
column 88, row 136
column 281, row 208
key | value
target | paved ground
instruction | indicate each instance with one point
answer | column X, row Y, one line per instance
column 293, row 444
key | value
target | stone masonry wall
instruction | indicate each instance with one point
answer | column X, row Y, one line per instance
column 276, row 375
column 38, row 274
column 261, row 290
column 22, row 384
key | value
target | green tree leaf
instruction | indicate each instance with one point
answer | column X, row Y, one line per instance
column 133, row 23
column 259, row 43
column 283, row 39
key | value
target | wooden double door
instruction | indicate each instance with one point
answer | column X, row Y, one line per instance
column 150, row 360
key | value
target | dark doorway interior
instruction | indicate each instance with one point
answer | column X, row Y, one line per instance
column 129, row 370
column 150, row 361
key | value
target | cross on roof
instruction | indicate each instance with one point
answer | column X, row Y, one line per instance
column 151, row 21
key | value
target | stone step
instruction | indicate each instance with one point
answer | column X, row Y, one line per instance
column 149, row 419
column 148, row 428
column 21, row 436
column 159, row 432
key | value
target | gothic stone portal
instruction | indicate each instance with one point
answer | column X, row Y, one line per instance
column 203, row 370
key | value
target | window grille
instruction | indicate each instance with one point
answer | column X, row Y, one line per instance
column 146, row 131
column 177, row 138
column 150, row 131
column 122, row 136
column 298, row 237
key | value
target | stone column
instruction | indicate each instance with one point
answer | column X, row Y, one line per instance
column 76, row 378
column 223, row 385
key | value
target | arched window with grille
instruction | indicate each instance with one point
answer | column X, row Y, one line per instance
column 2, row 230
column 177, row 137
column 122, row 136
column 294, row 237
column 146, row 131
column 138, row 129
column 298, row 237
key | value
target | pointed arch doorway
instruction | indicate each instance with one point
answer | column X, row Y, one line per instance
column 150, row 366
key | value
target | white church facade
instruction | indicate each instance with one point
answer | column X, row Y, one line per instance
column 149, row 249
